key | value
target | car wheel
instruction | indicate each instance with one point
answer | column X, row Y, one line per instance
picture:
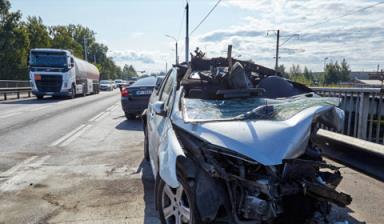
column 176, row 206
column 130, row 116
column 40, row 97
column 146, row 151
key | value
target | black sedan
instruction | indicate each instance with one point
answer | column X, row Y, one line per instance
column 134, row 98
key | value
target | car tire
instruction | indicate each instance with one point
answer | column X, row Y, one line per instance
column 40, row 97
column 176, row 210
column 146, row 149
column 73, row 92
column 85, row 90
column 130, row 116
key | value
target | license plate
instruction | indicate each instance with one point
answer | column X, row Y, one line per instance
column 143, row 92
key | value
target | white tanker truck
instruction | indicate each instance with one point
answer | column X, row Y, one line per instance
column 57, row 72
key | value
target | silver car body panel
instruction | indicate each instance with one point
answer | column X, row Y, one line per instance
column 268, row 142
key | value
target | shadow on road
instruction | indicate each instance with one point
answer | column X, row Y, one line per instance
column 130, row 125
column 46, row 100
column 150, row 213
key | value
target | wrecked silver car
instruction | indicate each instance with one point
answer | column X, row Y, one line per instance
column 231, row 142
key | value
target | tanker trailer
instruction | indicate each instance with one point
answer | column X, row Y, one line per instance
column 56, row 72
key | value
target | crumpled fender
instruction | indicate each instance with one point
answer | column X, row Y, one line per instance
column 268, row 142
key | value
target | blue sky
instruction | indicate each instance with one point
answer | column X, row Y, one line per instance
column 134, row 30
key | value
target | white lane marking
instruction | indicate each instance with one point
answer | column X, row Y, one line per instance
column 25, row 176
column 40, row 108
column 75, row 136
column 101, row 117
column 10, row 114
column 114, row 107
column 15, row 168
column 95, row 117
column 67, row 135
column 109, row 108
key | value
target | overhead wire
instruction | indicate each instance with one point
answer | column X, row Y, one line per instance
column 205, row 17
column 346, row 14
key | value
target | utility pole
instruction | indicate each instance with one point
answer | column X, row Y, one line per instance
column 85, row 49
column 166, row 67
column 187, row 33
column 94, row 59
column 277, row 49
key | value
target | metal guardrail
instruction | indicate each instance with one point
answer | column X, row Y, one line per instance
column 14, row 83
column 15, row 87
column 361, row 155
column 6, row 91
column 364, row 111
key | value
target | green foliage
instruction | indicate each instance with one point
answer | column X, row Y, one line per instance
column 129, row 72
column 37, row 33
column 14, row 44
column 62, row 38
column 282, row 71
column 296, row 75
column 17, row 38
column 335, row 73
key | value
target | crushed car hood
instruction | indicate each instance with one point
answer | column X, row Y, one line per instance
column 266, row 141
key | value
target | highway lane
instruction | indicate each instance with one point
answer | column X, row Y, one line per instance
column 28, row 125
column 80, row 161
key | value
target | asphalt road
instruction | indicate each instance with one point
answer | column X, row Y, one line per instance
column 81, row 161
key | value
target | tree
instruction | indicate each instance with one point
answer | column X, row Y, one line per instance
column 14, row 44
column 308, row 75
column 62, row 39
column 294, row 71
column 281, row 70
column 345, row 73
column 129, row 71
column 335, row 73
column 37, row 33
column 296, row 75
column 17, row 38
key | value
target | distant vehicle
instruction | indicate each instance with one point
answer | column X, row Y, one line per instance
column 134, row 98
column 56, row 72
column 119, row 82
column 106, row 85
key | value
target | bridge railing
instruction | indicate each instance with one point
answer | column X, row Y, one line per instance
column 363, row 111
column 14, row 83
column 14, row 87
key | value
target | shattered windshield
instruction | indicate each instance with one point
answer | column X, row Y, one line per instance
column 254, row 108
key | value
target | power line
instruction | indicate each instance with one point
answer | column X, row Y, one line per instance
column 205, row 17
column 347, row 14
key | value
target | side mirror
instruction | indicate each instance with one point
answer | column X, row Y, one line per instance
column 158, row 108
column 72, row 63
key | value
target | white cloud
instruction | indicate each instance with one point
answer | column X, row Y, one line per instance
column 324, row 31
column 150, row 61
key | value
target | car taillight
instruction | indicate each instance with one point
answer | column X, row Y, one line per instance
column 124, row 92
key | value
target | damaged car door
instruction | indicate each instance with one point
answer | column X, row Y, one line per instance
column 158, row 109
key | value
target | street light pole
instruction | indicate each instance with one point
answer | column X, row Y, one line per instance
column 177, row 55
